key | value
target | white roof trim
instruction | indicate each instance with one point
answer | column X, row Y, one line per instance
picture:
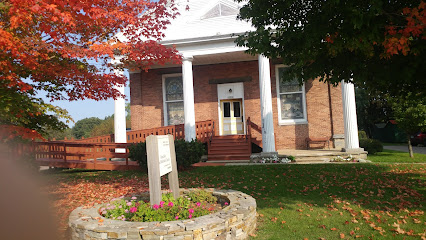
column 201, row 39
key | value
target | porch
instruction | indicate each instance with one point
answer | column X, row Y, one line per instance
column 101, row 153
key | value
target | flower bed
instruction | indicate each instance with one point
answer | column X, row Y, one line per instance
column 235, row 221
column 193, row 204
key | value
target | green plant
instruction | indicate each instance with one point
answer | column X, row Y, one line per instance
column 201, row 195
column 137, row 152
column 344, row 159
column 362, row 135
column 372, row 146
column 185, row 207
column 187, row 153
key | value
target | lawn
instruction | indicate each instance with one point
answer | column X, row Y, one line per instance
column 390, row 156
column 324, row 201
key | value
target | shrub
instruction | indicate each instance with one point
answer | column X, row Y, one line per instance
column 187, row 153
column 362, row 135
column 372, row 146
column 137, row 152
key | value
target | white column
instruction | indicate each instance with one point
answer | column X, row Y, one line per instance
column 349, row 117
column 268, row 139
column 188, row 98
column 119, row 116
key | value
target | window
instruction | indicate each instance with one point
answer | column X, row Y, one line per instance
column 291, row 99
column 173, row 99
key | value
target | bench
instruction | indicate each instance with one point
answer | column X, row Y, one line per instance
column 317, row 140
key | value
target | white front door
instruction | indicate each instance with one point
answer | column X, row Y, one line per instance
column 231, row 114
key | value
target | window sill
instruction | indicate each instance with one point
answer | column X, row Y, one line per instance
column 293, row 123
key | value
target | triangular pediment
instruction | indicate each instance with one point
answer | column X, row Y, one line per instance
column 219, row 10
column 206, row 18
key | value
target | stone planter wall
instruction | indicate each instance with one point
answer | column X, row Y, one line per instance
column 236, row 221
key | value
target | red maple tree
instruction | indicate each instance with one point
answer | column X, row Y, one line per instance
column 399, row 39
column 64, row 48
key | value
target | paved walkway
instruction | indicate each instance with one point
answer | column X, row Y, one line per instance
column 421, row 150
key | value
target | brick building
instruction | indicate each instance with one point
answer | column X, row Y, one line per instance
column 219, row 81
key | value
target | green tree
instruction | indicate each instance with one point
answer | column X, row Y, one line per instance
column 410, row 114
column 377, row 44
column 21, row 110
column 371, row 109
column 106, row 127
column 59, row 134
column 84, row 127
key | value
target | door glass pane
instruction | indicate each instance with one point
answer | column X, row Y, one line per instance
column 237, row 111
column 226, row 109
column 175, row 113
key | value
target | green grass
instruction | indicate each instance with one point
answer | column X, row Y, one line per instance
column 390, row 156
column 324, row 201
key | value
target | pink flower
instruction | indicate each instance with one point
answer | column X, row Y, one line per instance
column 226, row 204
column 133, row 209
column 155, row 206
column 161, row 204
column 190, row 216
column 198, row 204
column 191, row 211
column 170, row 204
column 177, row 217
column 134, row 198
column 129, row 204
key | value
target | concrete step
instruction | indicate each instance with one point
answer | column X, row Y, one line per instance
column 228, row 161
column 241, row 157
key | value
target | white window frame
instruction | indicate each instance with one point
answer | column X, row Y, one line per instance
column 303, row 120
column 164, row 76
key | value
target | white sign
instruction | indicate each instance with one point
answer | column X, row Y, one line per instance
column 164, row 157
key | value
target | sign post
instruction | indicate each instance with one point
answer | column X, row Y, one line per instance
column 161, row 157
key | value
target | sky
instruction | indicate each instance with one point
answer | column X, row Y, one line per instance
column 89, row 108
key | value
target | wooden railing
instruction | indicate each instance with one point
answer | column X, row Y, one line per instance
column 178, row 132
column 104, row 156
column 250, row 127
column 212, row 134
column 102, row 153
column 203, row 132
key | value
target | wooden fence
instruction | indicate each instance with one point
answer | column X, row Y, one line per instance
column 101, row 153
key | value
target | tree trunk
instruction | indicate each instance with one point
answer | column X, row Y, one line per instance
column 410, row 148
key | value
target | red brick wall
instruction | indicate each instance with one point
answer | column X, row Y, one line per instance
column 147, row 102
